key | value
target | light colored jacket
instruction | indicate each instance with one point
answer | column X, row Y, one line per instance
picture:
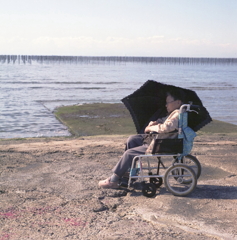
column 167, row 124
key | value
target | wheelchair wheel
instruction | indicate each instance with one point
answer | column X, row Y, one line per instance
column 148, row 189
column 176, row 176
column 156, row 181
column 193, row 163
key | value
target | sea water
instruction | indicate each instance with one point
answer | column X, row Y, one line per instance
column 30, row 92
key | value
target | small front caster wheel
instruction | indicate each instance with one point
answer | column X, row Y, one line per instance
column 148, row 190
column 156, row 181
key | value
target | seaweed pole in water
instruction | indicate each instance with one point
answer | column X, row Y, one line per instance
column 119, row 59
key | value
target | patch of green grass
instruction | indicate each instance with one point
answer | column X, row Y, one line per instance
column 96, row 119
column 112, row 119
column 217, row 126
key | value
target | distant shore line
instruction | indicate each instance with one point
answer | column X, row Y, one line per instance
column 103, row 59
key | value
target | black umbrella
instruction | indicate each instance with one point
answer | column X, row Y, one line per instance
column 148, row 104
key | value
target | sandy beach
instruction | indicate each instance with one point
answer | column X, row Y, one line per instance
column 49, row 191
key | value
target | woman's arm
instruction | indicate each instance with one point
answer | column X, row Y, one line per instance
column 170, row 124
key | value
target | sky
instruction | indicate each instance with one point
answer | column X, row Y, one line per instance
column 158, row 28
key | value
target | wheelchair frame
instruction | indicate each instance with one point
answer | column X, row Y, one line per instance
column 180, row 179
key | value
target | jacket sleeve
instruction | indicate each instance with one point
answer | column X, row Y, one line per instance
column 170, row 124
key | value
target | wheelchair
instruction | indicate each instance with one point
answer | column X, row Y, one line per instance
column 180, row 178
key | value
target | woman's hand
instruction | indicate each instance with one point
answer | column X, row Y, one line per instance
column 152, row 123
column 148, row 129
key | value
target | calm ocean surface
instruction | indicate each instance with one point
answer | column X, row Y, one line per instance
column 29, row 93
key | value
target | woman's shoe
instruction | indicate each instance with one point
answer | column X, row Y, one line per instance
column 107, row 184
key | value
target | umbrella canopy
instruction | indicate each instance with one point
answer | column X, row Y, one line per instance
column 148, row 104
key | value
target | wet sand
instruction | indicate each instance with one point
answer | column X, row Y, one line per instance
column 48, row 190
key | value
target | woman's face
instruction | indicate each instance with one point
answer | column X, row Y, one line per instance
column 172, row 104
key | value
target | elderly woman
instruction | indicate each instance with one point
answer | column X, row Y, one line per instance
column 135, row 143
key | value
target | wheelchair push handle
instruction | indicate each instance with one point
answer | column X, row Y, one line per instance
column 195, row 107
column 189, row 108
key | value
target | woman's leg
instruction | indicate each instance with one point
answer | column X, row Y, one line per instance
column 134, row 147
column 134, row 141
column 126, row 160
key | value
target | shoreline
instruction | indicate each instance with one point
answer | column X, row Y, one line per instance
column 110, row 119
